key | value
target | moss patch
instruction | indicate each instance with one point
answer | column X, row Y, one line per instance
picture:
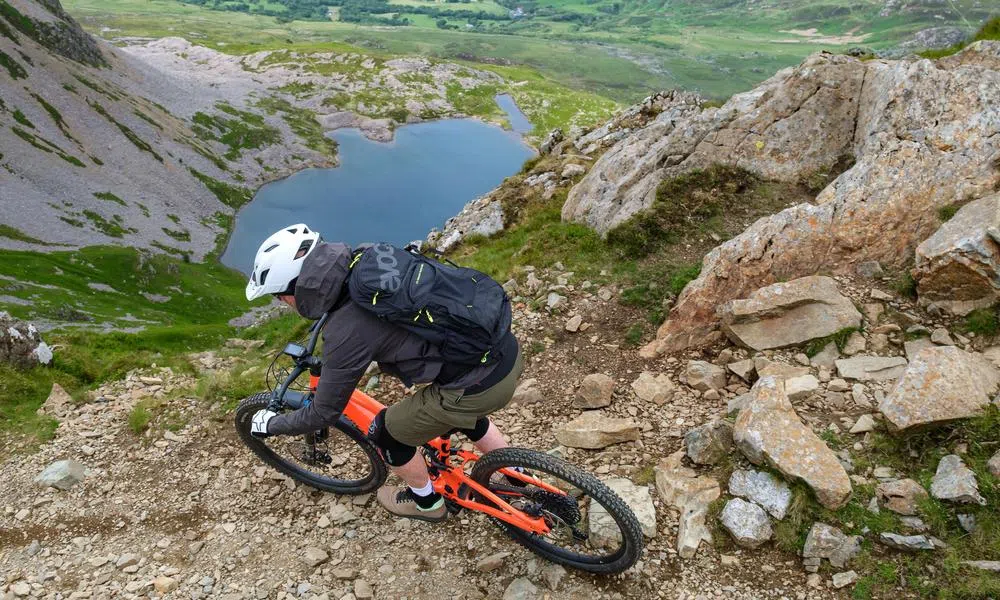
column 110, row 198
column 128, row 133
column 14, row 68
column 243, row 130
column 303, row 123
column 233, row 196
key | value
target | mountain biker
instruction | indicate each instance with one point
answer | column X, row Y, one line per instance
column 301, row 270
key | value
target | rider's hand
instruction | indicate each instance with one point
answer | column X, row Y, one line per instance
column 258, row 425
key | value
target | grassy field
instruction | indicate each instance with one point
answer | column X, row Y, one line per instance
column 715, row 47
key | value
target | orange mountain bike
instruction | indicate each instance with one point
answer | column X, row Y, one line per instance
column 550, row 506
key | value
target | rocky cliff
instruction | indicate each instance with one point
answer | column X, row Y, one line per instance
column 921, row 135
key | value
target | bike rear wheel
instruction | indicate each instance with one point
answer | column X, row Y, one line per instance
column 339, row 459
column 592, row 528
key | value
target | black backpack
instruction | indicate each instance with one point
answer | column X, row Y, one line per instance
column 462, row 311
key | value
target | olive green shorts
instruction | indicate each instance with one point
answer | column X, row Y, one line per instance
column 432, row 411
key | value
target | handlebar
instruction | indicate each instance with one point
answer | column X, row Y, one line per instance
column 303, row 364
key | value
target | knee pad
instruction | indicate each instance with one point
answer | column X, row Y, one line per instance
column 393, row 451
column 476, row 433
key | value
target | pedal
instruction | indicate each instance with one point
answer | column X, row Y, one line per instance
column 453, row 507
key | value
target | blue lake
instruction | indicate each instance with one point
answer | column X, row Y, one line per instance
column 393, row 192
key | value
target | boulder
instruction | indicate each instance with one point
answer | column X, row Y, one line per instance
column 520, row 589
column 709, row 443
column 768, row 431
column 744, row 369
column 906, row 543
column 594, row 392
column 956, row 482
column 826, row 541
column 763, row 488
column 842, row 580
column 594, row 430
column 788, row 314
column 941, row 384
column 871, row 368
column 898, row 182
column 958, row 268
column 704, row 376
column 994, row 464
column 58, row 404
column 901, row 496
column 603, row 528
column 657, row 389
column 527, row 392
column 20, row 344
column 913, row 347
column 746, row 522
column 62, row 474
column 691, row 494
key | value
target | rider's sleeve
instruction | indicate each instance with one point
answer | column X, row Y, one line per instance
column 345, row 360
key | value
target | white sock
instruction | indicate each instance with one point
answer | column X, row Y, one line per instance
column 427, row 490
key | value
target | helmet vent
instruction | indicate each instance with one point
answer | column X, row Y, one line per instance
column 270, row 248
column 263, row 276
column 303, row 249
column 292, row 230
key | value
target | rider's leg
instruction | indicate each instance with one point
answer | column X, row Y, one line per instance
column 414, row 472
column 492, row 440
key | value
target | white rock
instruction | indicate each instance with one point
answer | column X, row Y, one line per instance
column 765, row 489
column 746, row 522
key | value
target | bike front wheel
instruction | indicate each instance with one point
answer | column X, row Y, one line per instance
column 592, row 529
column 339, row 459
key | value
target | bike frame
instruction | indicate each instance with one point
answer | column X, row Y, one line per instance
column 447, row 467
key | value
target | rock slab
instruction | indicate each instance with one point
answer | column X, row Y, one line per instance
column 768, row 431
column 657, row 389
column 691, row 494
column 594, row 429
column 827, row 542
column 788, row 314
column 62, row 474
column 709, row 443
column 594, row 392
column 901, row 496
column 603, row 528
column 956, row 482
column 763, row 488
column 941, row 384
column 871, row 368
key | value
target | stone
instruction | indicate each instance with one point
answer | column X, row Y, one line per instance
column 914, row 524
column 871, row 368
column 956, row 482
column 572, row 170
column 744, row 369
column 594, row 392
column 553, row 575
column 870, row 269
column 958, row 267
column 901, row 496
column 801, row 387
column 763, row 488
column 657, row 389
column 165, row 585
column 573, row 324
column 594, row 430
column 907, row 543
column 492, row 562
column 127, row 560
column 827, row 542
column 555, row 301
column 855, row 344
column 58, row 403
column 768, row 431
column 709, row 443
column 864, row 424
column 967, row 522
column 838, row 385
column 788, row 314
column 603, row 528
column 527, row 392
column 520, row 589
column 691, row 494
column 994, row 464
column 21, row 589
column 314, row 557
column 942, row 337
column 827, row 356
column 860, row 398
column 984, row 565
column 363, row 590
column 842, row 580
column 21, row 346
column 783, row 371
column 941, row 384
column 704, row 376
column 913, row 347
column 746, row 522
column 62, row 474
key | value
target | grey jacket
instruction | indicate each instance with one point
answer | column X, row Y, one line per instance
column 352, row 339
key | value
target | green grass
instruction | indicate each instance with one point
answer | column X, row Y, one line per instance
column 180, row 236
column 112, row 228
column 303, row 123
column 13, row 68
column 23, row 120
column 990, row 30
column 12, row 233
column 231, row 195
column 46, row 146
column 137, row 141
column 110, row 198
column 840, row 338
column 139, row 418
column 905, row 285
column 243, row 130
column 982, row 321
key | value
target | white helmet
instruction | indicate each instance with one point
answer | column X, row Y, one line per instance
column 279, row 260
